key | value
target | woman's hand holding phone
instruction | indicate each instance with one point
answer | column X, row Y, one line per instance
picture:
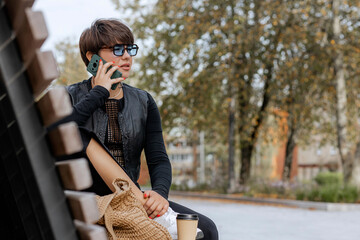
column 103, row 77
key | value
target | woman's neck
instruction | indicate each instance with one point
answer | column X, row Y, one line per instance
column 117, row 93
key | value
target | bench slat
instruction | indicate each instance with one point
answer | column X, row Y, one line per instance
column 75, row 174
column 83, row 206
column 15, row 9
column 42, row 71
column 31, row 34
column 54, row 105
column 90, row 231
column 65, row 139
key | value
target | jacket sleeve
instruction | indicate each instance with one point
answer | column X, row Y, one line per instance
column 156, row 156
column 83, row 109
column 92, row 101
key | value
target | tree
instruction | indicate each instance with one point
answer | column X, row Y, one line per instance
column 347, row 148
column 301, row 76
column 191, row 89
column 71, row 66
column 211, row 51
column 222, row 65
column 341, row 106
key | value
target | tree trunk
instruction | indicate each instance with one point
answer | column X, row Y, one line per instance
column 231, row 173
column 246, row 152
column 201, row 176
column 231, row 78
column 244, row 104
column 195, row 160
column 341, row 98
column 247, row 146
column 290, row 146
column 356, row 166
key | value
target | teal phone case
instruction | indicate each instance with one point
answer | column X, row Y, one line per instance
column 93, row 67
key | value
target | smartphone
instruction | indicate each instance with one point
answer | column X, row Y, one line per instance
column 93, row 67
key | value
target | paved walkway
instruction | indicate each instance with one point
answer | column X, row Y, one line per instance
column 237, row 221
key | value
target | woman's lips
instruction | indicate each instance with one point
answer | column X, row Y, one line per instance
column 125, row 67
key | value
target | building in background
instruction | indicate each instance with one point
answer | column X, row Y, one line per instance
column 268, row 161
column 183, row 158
column 307, row 161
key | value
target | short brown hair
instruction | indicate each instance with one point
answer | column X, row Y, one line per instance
column 103, row 32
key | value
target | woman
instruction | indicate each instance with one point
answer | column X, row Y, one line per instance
column 126, row 121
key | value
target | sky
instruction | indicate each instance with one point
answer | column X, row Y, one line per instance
column 68, row 18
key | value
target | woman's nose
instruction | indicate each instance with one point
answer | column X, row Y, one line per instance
column 126, row 54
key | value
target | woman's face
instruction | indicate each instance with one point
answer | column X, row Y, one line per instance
column 124, row 61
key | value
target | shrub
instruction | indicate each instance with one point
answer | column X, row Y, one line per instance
column 300, row 195
column 329, row 193
column 349, row 194
column 313, row 194
column 329, row 178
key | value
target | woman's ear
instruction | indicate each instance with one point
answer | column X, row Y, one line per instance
column 89, row 55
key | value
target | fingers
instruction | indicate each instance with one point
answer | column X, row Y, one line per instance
column 155, row 210
column 111, row 70
column 103, row 67
column 147, row 194
column 163, row 210
column 149, row 206
column 155, row 205
column 100, row 67
column 117, row 80
column 103, row 76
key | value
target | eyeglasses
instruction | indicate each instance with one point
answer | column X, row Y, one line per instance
column 119, row 49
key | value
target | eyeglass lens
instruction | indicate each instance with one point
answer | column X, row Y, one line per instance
column 119, row 49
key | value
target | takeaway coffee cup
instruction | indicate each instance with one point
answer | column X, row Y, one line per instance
column 187, row 226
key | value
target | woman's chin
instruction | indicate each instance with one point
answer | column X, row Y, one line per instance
column 125, row 75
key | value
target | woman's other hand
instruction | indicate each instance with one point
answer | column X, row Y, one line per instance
column 103, row 78
column 155, row 204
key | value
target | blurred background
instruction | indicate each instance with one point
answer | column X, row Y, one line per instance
column 257, row 97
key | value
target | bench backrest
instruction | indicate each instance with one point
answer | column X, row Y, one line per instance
column 41, row 198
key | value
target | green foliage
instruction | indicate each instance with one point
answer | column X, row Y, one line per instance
column 268, row 189
column 313, row 195
column 329, row 193
column 199, row 188
column 349, row 194
column 329, row 188
column 270, row 56
column 179, row 187
column 72, row 68
column 300, row 195
column 329, row 178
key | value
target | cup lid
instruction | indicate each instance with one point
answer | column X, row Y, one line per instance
column 182, row 216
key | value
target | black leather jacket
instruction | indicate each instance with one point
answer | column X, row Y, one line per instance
column 132, row 121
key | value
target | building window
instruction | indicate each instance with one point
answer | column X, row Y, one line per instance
column 333, row 151
column 318, row 152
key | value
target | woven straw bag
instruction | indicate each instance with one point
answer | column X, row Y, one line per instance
column 125, row 218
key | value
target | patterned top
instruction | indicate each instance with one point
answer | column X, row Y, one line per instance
column 113, row 140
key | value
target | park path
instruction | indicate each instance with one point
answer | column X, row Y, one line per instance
column 236, row 221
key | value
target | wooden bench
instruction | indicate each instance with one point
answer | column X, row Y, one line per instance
column 43, row 199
